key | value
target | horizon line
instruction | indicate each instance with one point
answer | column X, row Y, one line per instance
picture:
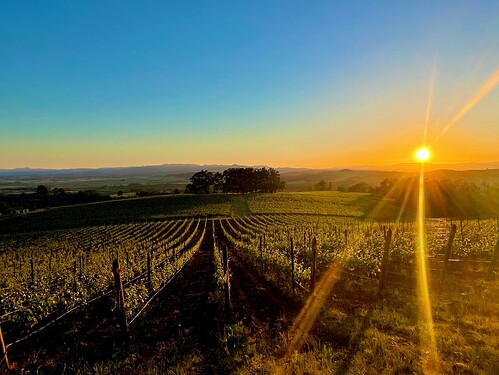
column 340, row 166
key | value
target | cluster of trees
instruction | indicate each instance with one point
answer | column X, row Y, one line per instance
column 322, row 185
column 43, row 197
column 444, row 198
column 236, row 180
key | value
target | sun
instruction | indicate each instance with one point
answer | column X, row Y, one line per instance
column 423, row 154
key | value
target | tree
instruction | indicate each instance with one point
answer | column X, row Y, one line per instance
column 204, row 182
column 42, row 191
column 251, row 180
column 321, row 186
column 275, row 182
column 218, row 182
column 236, row 180
column 59, row 191
column 385, row 186
column 361, row 187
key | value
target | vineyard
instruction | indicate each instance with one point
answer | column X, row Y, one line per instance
column 50, row 273
column 49, row 276
column 283, row 245
column 327, row 203
column 117, row 212
column 348, row 206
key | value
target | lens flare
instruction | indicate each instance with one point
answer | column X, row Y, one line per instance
column 302, row 325
column 423, row 154
column 492, row 82
column 430, row 100
column 427, row 333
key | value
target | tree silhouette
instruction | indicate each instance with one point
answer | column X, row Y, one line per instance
column 236, row 180
column 42, row 191
column 205, row 182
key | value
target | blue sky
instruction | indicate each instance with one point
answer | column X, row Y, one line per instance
column 278, row 83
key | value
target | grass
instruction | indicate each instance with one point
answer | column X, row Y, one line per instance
column 358, row 335
column 240, row 206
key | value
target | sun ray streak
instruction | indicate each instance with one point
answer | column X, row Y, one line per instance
column 459, row 92
column 407, row 194
column 484, row 90
column 429, row 102
column 382, row 203
column 302, row 325
column 428, row 342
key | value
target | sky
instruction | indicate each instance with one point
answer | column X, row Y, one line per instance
column 280, row 83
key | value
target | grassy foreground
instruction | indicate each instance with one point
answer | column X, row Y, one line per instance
column 355, row 334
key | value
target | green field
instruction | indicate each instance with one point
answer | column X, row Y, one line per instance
column 350, row 205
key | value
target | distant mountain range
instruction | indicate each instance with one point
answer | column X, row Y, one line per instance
column 113, row 172
column 298, row 179
column 157, row 170
column 412, row 167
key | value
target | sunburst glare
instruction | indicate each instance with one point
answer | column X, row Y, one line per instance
column 428, row 343
column 423, row 154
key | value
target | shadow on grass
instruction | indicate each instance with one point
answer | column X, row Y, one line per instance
column 356, row 341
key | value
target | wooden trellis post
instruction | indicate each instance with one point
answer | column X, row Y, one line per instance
column 493, row 263
column 32, row 265
column 261, row 253
column 5, row 359
column 75, row 277
column 384, row 261
column 82, row 265
column 226, row 269
column 120, row 297
column 448, row 250
column 313, row 267
column 149, row 282
column 292, row 265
